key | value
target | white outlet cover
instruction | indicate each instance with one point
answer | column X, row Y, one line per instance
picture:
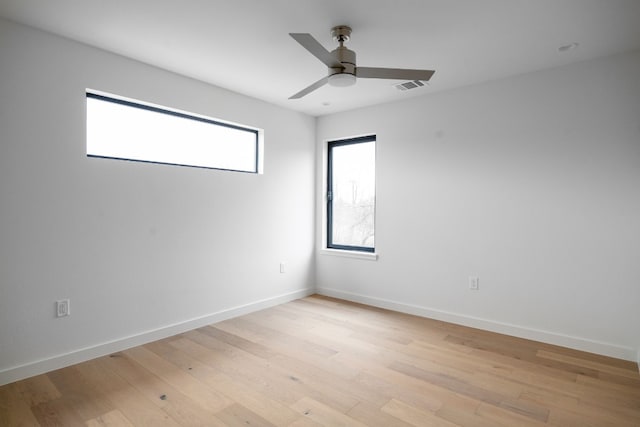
column 63, row 308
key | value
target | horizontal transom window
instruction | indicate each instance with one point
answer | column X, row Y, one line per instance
column 129, row 130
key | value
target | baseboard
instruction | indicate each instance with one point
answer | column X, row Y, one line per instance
column 60, row 361
column 603, row 348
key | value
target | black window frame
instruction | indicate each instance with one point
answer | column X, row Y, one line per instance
column 183, row 115
column 329, row 194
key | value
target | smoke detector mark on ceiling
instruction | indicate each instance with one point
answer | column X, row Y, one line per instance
column 409, row 85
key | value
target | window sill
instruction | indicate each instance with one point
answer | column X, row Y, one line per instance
column 369, row 256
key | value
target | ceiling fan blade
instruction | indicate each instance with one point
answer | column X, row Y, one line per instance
column 393, row 73
column 307, row 90
column 312, row 45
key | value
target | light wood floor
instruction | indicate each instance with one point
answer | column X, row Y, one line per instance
column 325, row 362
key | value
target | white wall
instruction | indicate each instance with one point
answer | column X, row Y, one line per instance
column 140, row 249
column 531, row 183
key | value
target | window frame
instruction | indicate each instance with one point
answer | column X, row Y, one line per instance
column 329, row 196
column 184, row 115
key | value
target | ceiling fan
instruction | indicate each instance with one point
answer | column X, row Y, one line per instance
column 341, row 63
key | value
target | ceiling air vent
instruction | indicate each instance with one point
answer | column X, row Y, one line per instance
column 409, row 85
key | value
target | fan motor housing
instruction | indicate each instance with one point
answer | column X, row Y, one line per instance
column 347, row 58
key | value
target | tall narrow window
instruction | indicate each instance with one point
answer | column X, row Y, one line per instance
column 351, row 194
column 124, row 129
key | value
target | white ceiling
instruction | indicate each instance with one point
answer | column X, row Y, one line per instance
column 244, row 46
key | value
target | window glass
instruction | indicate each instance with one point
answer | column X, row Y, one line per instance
column 132, row 131
column 351, row 194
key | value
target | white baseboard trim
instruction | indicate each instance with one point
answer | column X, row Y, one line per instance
column 60, row 361
column 577, row 343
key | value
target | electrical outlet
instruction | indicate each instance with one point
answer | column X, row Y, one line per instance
column 282, row 267
column 63, row 308
column 474, row 283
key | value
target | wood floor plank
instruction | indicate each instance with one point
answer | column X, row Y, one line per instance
column 251, row 347
column 282, row 383
column 420, row 400
column 36, row 390
column 528, row 371
column 253, row 400
column 231, row 326
column 602, row 367
column 414, row 416
column 180, row 407
column 134, row 405
column 372, row 415
column 435, row 398
column 506, row 418
column 563, row 409
column 319, row 361
column 456, row 357
column 81, row 395
column 253, row 372
column 294, row 344
column 271, row 334
column 113, row 418
column 14, row 409
column 323, row 414
column 463, row 412
column 323, row 380
column 304, row 422
column 503, row 348
column 281, row 320
column 562, row 417
column 612, row 387
column 187, row 385
column 459, row 386
column 469, row 370
column 237, row 415
column 57, row 412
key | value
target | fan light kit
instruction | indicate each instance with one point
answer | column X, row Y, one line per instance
column 342, row 80
column 341, row 64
